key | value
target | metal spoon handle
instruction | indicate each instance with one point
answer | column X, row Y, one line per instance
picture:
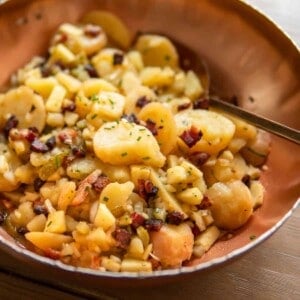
column 261, row 122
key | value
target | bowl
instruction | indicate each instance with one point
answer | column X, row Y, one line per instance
column 248, row 58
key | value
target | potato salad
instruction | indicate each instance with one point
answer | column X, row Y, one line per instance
column 111, row 157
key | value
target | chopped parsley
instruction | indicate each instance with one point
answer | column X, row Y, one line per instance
column 139, row 138
column 105, row 198
column 94, row 98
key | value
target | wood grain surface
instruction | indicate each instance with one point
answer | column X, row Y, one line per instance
column 271, row 271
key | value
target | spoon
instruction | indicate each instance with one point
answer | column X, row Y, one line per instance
column 190, row 60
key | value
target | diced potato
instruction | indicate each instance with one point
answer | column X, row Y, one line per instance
column 82, row 228
column 27, row 107
column 173, row 244
column 134, row 265
column 205, row 240
column 69, row 82
column 110, row 264
column 143, row 234
column 165, row 125
column 176, row 174
column 56, row 222
column 130, row 82
column 80, row 168
column 93, row 86
column 217, row 131
column 66, row 195
column 232, row 204
column 42, row 86
column 157, row 50
column 125, row 143
column 55, row 100
column 25, row 174
column 157, row 77
column 22, row 215
column 193, row 88
column 191, row 196
column 37, row 223
column 100, row 238
column 135, row 58
column 46, row 240
column 104, row 218
column 114, row 27
column 55, row 119
column 199, row 220
column 135, row 248
column 257, row 191
column 61, row 53
column 115, row 196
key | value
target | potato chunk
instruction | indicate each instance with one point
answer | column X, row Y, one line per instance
column 165, row 124
column 28, row 108
column 124, row 143
column 232, row 204
column 217, row 131
column 173, row 244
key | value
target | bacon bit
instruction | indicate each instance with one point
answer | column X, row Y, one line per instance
column 131, row 118
column 38, row 183
column 83, row 188
column 123, row 237
column 78, row 151
column 91, row 70
column 118, row 59
column 39, row 208
column 142, row 101
column 137, row 220
column 151, row 125
column 39, row 147
column 51, row 253
column 100, row 183
column 31, row 134
column 92, row 30
column 70, row 107
column 60, row 38
column 174, row 217
column 12, row 122
column 201, row 103
column 67, row 136
column 156, row 265
column 51, row 142
column 153, row 224
column 246, row 180
column 67, row 160
column 183, row 106
column 205, row 203
column 146, row 189
column 195, row 230
column 199, row 158
column 191, row 136
column 7, row 204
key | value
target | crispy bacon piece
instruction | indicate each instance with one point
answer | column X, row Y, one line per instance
column 183, row 106
column 39, row 147
column 92, row 30
column 146, row 189
column 83, row 188
column 12, row 122
column 39, row 208
column 131, row 118
column 142, row 101
column 151, row 125
column 38, row 183
column 156, row 265
column 246, row 180
column 67, row 136
column 123, row 237
column 153, row 224
column 174, row 217
column 205, row 203
column 137, row 220
column 100, row 183
column 199, row 158
column 91, row 70
column 191, row 136
column 118, row 58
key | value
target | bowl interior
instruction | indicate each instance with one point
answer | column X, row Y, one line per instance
column 247, row 57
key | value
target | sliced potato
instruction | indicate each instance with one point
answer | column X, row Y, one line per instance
column 23, row 103
column 217, row 131
column 124, row 143
column 157, row 50
column 165, row 124
column 114, row 27
column 46, row 240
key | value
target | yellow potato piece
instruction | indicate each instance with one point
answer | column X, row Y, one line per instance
column 217, row 130
column 46, row 240
column 28, row 108
column 232, row 204
column 157, row 50
column 113, row 26
column 165, row 124
column 124, row 143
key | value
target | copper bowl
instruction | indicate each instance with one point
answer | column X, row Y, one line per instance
column 247, row 57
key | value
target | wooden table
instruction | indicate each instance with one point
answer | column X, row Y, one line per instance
column 271, row 271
